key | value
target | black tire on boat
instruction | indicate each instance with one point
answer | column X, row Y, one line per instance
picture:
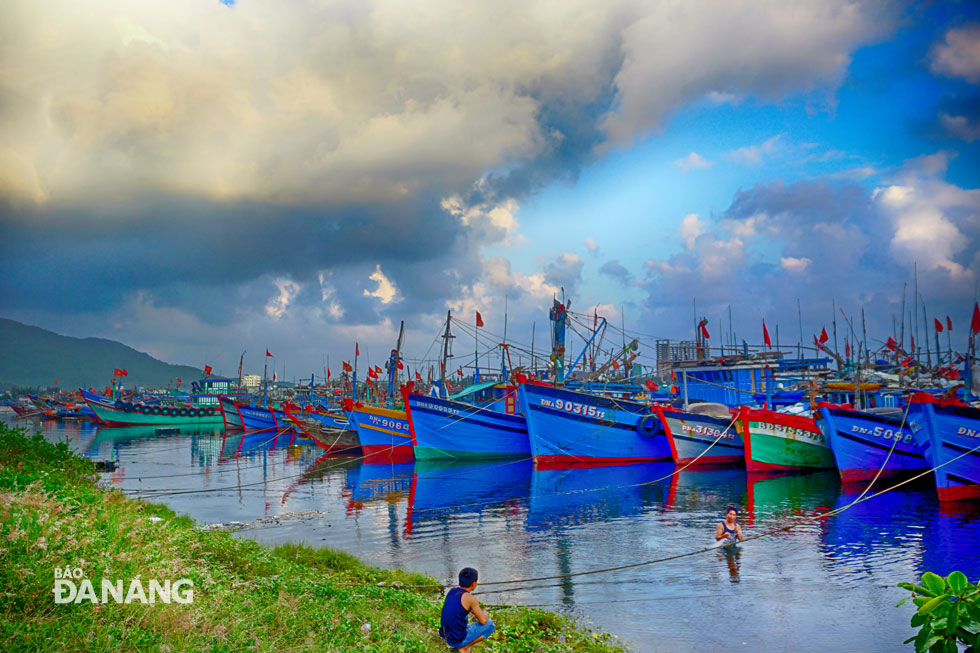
column 193, row 412
column 155, row 411
column 182, row 412
column 143, row 410
column 166, row 412
column 649, row 426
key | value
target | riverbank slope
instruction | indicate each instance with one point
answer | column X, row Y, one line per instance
column 54, row 515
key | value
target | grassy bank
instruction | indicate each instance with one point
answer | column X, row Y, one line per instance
column 53, row 514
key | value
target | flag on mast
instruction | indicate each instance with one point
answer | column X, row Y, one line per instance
column 765, row 335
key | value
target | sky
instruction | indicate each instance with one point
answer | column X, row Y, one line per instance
column 197, row 179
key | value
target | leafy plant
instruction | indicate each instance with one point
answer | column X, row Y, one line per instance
column 949, row 612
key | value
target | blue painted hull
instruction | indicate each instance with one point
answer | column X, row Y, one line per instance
column 701, row 439
column 383, row 433
column 230, row 414
column 950, row 436
column 861, row 443
column 443, row 429
column 567, row 427
column 256, row 418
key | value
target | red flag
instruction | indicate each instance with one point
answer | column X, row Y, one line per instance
column 377, row 368
column 116, row 371
column 273, row 375
column 369, row 381
column 673, row 375
column 56, row 381
column 975, row 322
column 949, row 324
column 939, row 325
column 267, row 353
column 823, row 335
column 178, row 381
column 418, row 376
column 817, row 343
column 401, row 365
column 765, row 335
column 328, row 374
column 372, row 374
column 704, row 329
column 615, row 365
column 459, row 371
column 124, row 372
column 847, row 348
column 207, row 369
column 357, row 349
column 347, row 367
column 651, row 386
column 891, row 344
column 479, row 319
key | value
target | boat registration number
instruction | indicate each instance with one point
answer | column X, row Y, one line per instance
column 574, row 408
column 970, row 433
column 383, row 422
column 882, row 432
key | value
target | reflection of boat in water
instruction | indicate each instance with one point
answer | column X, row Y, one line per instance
column 381, row 482
column 122, row 436
column 694, row 489
column 584, row 494
column 774, row 496
column 240, row 443
column 441, row 488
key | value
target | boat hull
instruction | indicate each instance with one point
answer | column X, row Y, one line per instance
column 443, row 429
column 256, row 418
column 950, row 436
column 701, row 440
column 384, row 433
column 232, row 418
column 863, row 444
column 778, row 441
column 166, row 416
column 567, row 428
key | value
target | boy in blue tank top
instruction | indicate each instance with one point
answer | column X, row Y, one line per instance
column 455, row 614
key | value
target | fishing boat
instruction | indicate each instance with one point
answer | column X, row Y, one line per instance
column 865, row 442
column 704, row 434
column 452, row 429
column 568, row 427
column 230, row 414
column 949, row 432
column 127, row 413
column 332, row 439
column 384, row 433
column 778, row 441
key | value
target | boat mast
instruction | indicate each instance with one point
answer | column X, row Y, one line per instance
column 240, row 362
column 446, row 336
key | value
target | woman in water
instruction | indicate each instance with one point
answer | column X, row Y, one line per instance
column 729, row 529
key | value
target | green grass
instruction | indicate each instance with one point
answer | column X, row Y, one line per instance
column 246, row 597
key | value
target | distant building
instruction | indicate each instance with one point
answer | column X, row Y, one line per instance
column 252, row 381
column 669, row 353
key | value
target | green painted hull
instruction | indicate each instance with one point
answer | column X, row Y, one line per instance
column 767, row 449
column 113, row 415
column 434, row 453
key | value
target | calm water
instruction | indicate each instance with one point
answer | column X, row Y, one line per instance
column 827, row 585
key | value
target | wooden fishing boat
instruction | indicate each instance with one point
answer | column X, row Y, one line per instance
column 384, row 433
column 126, row 413
column 700, row 436
column 777, row 441
column 866, row 441
column 949, row 432
column 567, row 427
column 334, row 440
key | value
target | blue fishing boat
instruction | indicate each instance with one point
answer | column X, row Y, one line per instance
column 949, row 432
column 702, row 435
column 384, row 433
column 866, row 441
column 567, row 427
column 230, row 414
column 256, row 418
column 450, row 429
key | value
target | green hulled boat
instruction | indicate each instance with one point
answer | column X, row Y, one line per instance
column 127, row 414
column 779, row 441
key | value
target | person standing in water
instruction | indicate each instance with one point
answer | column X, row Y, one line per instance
column 458, row 606
column 729, row 529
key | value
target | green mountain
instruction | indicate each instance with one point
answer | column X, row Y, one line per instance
column 31, row 356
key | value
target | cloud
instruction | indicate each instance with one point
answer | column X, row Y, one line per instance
column 795, row 264
column 959, row 54
column 674, row 54
column 591, row 245
column 617, row 271
column 960, row 127
column 385, row 290
column 691, row 227
column 692, row 161
column 754, row 155
column 287, row 291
